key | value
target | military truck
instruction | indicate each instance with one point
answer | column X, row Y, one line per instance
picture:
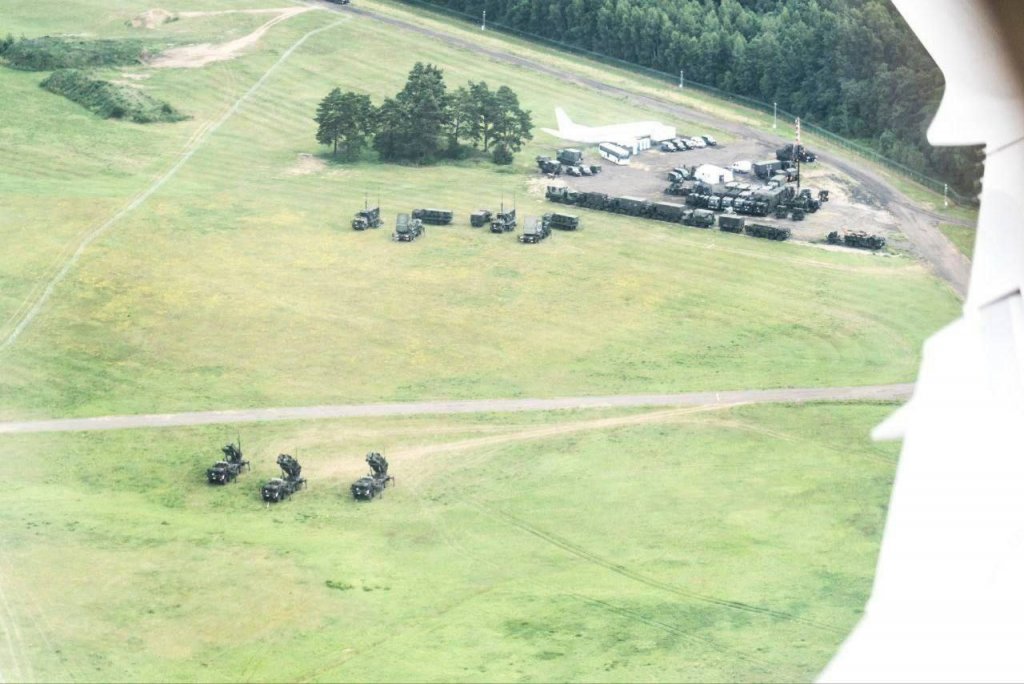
column 767, row 232
column 407, row 228
column 767, row 168
column 368, row 487
column 222, row 472
column 561, row 221
column 701, row 218
column 631, row 206
column 434, row 217
column 535, row 231
column 731, row 224
column 481, row 218
column 668, row 211
column 793, row 152
column 504, row 222
column 550, row 166
column 570, row 156
column 291, row 481
column 858, row 239
column 367, row 218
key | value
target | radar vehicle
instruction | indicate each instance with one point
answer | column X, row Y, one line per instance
column 291, row 481
column 367, row 218
column 370, row 486
column 222, row 472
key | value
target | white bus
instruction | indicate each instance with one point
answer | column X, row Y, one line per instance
column 616, row 154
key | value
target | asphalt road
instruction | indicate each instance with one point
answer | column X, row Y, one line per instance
column 920, row 226
column 772, row 396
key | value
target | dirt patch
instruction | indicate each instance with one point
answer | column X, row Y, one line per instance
column 196, row 56
column 150, row 19
column 409, row 455
column 307, row 164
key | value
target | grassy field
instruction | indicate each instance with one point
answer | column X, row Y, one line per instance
column 238, row 283
column 682, row 545
column 731, row 545
column 962, row 237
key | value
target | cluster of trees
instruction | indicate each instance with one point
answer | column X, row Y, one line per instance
column 424, row 122
column 853, row 67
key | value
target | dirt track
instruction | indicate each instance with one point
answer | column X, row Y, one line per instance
column 869, row 392
column 919, row 226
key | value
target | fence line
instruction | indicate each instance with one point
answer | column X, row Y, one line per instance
column 858, row 148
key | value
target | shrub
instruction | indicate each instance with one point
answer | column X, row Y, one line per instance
column 48, row 52
column 109, row 100
column 501, row 155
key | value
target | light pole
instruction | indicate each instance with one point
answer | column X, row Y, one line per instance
column 775, row 113
column 483, row 21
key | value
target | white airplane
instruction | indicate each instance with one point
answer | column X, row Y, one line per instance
column 618, row 133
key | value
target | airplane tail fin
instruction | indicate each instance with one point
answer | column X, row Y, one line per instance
column 564, row 122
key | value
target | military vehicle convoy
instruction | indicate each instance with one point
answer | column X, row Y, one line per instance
column 407, row 228
column 370, row 486
column 291, row 481
column 569, row 161
column 367, row 218
column 434, row 217
column 222, row 472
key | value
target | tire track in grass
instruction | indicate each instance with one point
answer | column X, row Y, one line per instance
column 21, row 669
column 636, row 616
column 141, row 198
column 595, row 559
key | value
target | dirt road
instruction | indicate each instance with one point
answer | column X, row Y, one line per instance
column 776, row 396
column 919, row 225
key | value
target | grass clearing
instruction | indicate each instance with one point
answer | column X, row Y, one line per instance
column 240, row 284
column 961, row 236
column 590, row 555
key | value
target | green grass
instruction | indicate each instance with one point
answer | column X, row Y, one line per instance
column 962, row 237
column 47, row 53
column 110, row 100
column 500, row 555
column 239, row 283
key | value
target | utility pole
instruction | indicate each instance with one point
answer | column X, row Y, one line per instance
column 796, row 153
column 682, row 80
column 775, row 114
column 483, row 21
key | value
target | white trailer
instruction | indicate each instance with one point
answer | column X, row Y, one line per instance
column 616, row 154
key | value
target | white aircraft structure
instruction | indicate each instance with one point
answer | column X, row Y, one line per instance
column 948, row 598
column 625, row 134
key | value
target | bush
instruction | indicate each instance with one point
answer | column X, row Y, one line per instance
column 109, row 100
column 501, row 155
column 48, row 52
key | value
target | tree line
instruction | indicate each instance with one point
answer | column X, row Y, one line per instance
column 851, row 66
column 424, row 122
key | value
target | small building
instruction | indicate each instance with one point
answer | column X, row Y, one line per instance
column 713, row 175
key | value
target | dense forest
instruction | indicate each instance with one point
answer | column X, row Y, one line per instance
column 850, row 66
